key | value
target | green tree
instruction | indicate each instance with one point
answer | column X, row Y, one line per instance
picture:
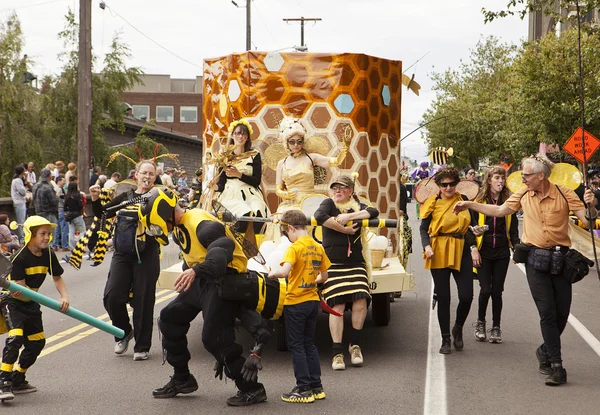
column 554, row 8
column 475, row 102
column 20, row 107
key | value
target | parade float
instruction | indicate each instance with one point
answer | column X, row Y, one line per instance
column 351, row 99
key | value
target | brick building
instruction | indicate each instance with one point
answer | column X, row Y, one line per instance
column 175, row 104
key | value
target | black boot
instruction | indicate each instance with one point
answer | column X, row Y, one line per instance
column 558, row 375
column 20, row 385
column 446, row 345
column 457, row 335
column 176, row 386
column 544, row 361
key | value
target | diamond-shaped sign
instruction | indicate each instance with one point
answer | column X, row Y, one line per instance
column 573, row 145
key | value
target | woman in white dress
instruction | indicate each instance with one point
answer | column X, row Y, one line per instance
column 239, row 182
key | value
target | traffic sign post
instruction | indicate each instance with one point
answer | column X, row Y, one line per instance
column 574, row 147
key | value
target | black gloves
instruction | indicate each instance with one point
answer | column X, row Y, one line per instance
column 218, row 368
column 251, row 367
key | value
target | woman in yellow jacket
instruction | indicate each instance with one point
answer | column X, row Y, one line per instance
column 449, row 249
column 493, row 245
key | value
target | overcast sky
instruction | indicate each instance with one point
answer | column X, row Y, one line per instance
column 198, row 29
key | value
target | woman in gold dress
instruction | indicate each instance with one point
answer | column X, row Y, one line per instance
column 449, row 249
column 295, row 177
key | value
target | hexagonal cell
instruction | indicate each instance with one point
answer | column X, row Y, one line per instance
column 255, row 130
column 348, row 162
column 393, row 167
column 272, row 117
column 374, row 104
column 344, row 104
column 394, row 83
column 393, row 192
column 296, row 75
column 363, row 174
column 384, row 149
column 393, row 214
column 382, row 205
column 268, row 175
column 271, row 139
column 347, row 75
column 320, row 88
column 384, row 65
column 383, row 176
column 361, row 89
column 394, row 110
column 273, row 61
column 373, row 134
column 320, row 62
column 362, row 61
column 393, row 137
column 320, row 117
column 361, row 116
column 296, row 104
column 233, row 90
column 362, row 146
column 385, row 94
column 273, row 90
column 272, row 201
column 253, row 105
column 384, row 120
column 373, row 162
column 373, row 189
column 374, row 79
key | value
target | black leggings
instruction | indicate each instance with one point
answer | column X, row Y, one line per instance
column 492, row 275
column 464, row 284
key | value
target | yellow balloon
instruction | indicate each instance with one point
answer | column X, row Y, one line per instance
column 514, row 182
column 567, row 175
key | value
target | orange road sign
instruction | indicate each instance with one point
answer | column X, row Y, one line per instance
column 573, row 145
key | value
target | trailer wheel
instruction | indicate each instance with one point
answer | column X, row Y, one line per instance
column 280, row 334
column 381, row 309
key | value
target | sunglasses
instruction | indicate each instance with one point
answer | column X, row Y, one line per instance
column 448, row 184
column 243, row 134
column 294, row 142
column 526, row 175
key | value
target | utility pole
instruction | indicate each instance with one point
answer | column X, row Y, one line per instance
column 302, row 20
column 84, row 94
column 248, row 23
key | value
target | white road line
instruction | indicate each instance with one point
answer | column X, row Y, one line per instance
column 585, row 334
column 435, row 376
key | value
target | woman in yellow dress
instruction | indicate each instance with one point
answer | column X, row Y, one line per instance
column 239, row 182
column 449, row 248
column 295, row 177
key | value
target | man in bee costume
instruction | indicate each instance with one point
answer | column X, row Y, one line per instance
column 211, row 256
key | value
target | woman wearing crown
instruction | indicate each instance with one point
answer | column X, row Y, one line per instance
column 239, row 181
column 295, row 177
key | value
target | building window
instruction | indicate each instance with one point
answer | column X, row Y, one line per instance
column 189, row 114
column 164, row 114
column 141, row 112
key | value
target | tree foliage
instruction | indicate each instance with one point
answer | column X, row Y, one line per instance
column 557, row 9
column 41, row 125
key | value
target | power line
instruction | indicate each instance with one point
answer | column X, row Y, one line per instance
column 265, row 24
column 152, row 40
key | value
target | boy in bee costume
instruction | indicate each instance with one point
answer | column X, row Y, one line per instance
column 212, row 257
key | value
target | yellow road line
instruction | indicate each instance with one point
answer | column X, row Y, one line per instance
column 83, row 335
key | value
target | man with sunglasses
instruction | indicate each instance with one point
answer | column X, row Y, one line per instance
column 546, row 209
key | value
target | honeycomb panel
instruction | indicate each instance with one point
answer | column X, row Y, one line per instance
column 307, row 85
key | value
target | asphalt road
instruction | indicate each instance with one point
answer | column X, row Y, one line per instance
column 78, row 372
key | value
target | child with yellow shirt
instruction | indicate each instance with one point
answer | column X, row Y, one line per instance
column 301, row 265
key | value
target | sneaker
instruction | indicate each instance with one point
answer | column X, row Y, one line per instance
column 457, row 335
column 256, row 395
column 558, row 376
column 496, row 335
column 123, row 344
column 176, row 386
column 6, row 393
column 140, row 356
column 446, row 346
column 356, row 356
column 544, row 362
column 297, row 396
column 338, row 362
column 318, row 393
column 480, row 331
column 20, row 385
